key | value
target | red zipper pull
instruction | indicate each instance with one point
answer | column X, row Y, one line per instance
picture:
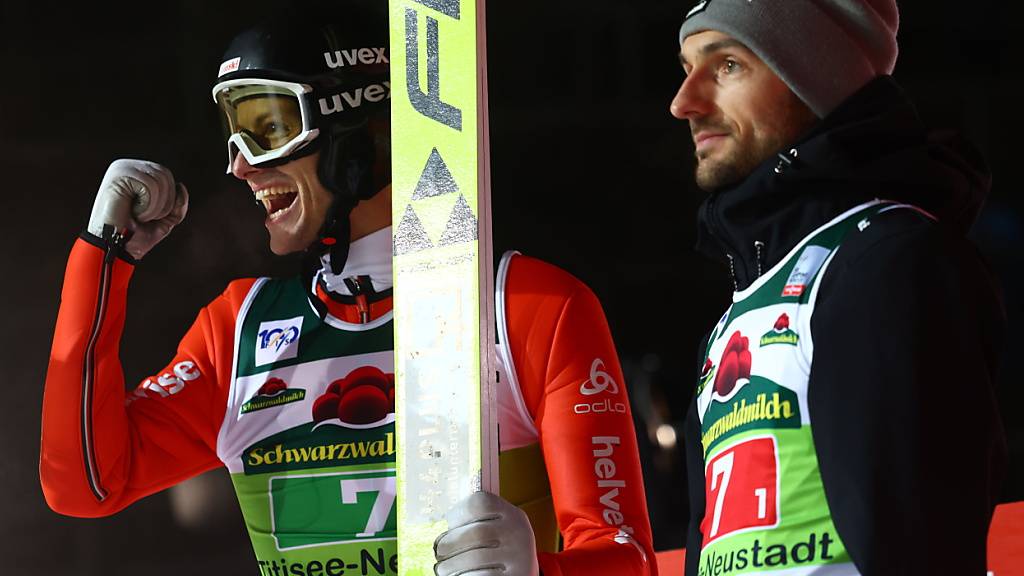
column 364, row 308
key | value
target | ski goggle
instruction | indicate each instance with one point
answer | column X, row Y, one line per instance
column 264, row 119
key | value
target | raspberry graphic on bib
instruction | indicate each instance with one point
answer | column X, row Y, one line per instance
column 782, row 323
column 272, row 387
column 735, row 364
column 365, row 396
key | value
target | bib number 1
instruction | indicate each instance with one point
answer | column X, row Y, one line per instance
column 741, row 486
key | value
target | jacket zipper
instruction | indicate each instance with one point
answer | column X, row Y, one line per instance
column 357, row 286
column 716, row 232
column 114, row 241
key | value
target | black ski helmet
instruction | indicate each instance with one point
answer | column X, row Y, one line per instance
column 330, row 61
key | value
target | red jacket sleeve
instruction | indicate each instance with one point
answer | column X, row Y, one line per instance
column 103, row 448
column 573, row 387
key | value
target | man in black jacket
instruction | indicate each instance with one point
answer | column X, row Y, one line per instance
column 844, row 421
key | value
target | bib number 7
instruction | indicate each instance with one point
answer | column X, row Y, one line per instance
column 382, row 505
column 741, row 488
column 322, row 509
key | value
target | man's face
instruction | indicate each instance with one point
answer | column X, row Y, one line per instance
column 740, row 112
column 295, row 200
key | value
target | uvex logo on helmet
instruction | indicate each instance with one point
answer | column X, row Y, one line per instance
column 355, row 98
column 342, row 58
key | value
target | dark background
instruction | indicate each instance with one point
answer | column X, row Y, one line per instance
column 589, row 172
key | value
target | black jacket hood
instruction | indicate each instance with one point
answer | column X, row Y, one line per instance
column 872, row 146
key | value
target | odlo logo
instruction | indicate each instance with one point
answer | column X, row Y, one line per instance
column 599, row 381
column 278, row 340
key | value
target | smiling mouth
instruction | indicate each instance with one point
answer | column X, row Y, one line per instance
column 276, row 199
column 703, row 147
column 706, row 137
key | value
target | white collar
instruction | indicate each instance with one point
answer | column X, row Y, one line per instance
column 368, row 256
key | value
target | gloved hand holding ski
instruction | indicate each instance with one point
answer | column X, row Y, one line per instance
column 486, row 535
column 142, row 197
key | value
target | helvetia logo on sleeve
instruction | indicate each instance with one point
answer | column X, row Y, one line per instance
column 274, row 392
column 278, row 340
column 609, row 482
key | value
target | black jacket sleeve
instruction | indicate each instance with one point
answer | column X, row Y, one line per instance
column 907, row 332
column 695, row 487
column 694, row 467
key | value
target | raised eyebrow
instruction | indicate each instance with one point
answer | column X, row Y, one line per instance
column 721, row 45
column 713, row 47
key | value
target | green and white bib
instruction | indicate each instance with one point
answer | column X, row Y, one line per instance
column 766, row 511
column 314, row 478
column 315, row 474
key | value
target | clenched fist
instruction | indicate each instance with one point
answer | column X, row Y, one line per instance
column 142, row 197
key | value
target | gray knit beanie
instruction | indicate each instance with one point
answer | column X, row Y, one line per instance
column 824, row 50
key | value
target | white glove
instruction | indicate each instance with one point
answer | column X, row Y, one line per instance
column 142, row 197
column 487, row 536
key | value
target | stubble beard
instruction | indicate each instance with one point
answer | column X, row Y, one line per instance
column 733, row 165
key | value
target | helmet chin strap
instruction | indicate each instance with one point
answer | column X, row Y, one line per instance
column 333, row 241
column 345, row 168
column 339, row 252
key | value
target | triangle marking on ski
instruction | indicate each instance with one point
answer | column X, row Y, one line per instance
column 436, row 178
column 462, row 224
column 410, row 235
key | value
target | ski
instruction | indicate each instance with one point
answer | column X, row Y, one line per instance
column 444, row 311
